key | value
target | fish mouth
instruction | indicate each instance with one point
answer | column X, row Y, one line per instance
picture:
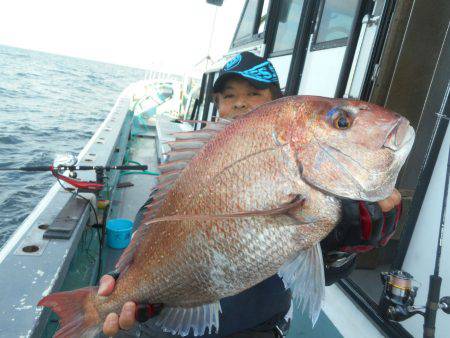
column 400, row 135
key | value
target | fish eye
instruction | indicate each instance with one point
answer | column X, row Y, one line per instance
column 342, row 122
column 340, row 119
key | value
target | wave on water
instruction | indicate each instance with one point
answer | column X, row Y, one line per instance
column 27, row 75
column 49, row 104
column 26, row 128
column 7, row 93
column 10, row 139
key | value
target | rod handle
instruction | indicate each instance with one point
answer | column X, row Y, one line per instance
column 432, row 306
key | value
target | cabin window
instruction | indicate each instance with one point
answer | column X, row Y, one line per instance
column 287, row 25
column 248, row 20
column 335, row 23
column 252, row 23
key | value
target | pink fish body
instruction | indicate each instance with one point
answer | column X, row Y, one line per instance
column 239, row 202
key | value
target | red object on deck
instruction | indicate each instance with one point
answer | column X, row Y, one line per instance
column 83, row 185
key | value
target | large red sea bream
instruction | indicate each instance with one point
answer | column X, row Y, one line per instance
column 239, row 202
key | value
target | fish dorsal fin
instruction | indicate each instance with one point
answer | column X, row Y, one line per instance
column 187, row 144
column 180, row 320
column 172, row 165
column 180, row 155
column 304, row 275
column 202, row 134
column 168, row 176
column 183, row 150
column 192, row 143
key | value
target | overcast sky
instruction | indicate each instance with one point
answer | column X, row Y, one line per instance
column 168, row 35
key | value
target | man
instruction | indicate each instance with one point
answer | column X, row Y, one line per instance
column 244, row 83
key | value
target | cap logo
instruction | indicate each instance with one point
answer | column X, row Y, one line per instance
column 264, row 72
column 233, row 62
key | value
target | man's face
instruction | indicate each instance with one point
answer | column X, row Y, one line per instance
column 238, row 97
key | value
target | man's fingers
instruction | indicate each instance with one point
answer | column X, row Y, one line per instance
column 126, row 318
column 386, row 204
column 106, row 286
column 396, row 197
column 390, row 202
column 111, row 325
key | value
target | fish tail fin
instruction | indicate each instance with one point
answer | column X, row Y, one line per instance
column 76, row 310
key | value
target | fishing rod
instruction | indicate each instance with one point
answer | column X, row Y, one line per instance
column 75, row 167
column 433, row 302
column 397, row 301
column 68, row 162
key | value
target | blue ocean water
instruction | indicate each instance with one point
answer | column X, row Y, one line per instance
column 49, row 104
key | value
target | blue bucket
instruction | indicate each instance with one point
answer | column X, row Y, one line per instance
column 118, row 232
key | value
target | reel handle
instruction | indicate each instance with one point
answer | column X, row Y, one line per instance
column 444, row 304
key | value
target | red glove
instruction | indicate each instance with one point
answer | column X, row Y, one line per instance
column 363, row 226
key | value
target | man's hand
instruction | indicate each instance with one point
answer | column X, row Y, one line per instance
column 114, row 322
column 391, row 202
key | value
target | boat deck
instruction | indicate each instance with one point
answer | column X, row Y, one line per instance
column 127, row 201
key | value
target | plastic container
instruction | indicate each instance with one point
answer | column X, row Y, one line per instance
column 118, row 232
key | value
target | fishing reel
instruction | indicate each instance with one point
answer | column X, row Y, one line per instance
column 65, row 160
column 68, row 162
column 399, row 293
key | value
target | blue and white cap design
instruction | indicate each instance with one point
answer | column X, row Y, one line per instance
column 264, row 72
column 233, row 63
column 258, row 71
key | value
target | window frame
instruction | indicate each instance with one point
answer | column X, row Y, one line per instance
column 315, row 46
column 275, row 24
column 196, row 110
column 255, row 36
column 202, row 107
column 300, row 50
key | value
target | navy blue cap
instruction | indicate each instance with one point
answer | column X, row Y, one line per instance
column 256, row 70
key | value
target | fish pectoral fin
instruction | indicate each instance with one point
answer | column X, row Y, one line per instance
column 180, row 320
column 288, row 209
column 304, row 275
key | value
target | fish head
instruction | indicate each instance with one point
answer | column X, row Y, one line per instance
column 351, row 149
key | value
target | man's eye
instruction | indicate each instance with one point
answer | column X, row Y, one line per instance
column 254, row 94
column 228, row 96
